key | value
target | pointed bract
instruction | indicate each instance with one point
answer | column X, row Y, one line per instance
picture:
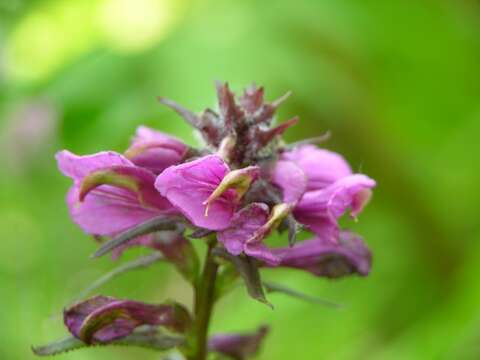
column 231, row 114
column 252, row 99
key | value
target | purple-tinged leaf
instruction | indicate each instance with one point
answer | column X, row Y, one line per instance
column 248, row 270
column 238, row 346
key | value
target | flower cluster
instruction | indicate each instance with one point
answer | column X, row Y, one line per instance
column 244, row 184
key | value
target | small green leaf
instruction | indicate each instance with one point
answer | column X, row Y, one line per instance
column 147, row 338
column 248, row 270
column 271, row 287
column 149, row 226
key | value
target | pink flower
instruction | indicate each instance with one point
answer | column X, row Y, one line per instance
column 154, row 150
column 205, row 190
column 325, row 258
column 110, row 194
column 331, row 188
column 321, row 167
column 320, row 209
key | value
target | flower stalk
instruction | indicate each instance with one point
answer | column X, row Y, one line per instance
column 204, row 302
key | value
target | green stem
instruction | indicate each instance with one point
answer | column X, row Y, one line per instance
column 204, row 300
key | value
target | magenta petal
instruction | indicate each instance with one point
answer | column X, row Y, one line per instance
column 291, row 179
column 154, row 150
column 322, row 167
column 77, row 167
column 108, row 210
column 347, row 193
column 103, row 319
column 326, row 258
column 188, row 186
column 243, row 227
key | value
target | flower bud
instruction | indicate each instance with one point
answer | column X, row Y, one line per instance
column 103, row 319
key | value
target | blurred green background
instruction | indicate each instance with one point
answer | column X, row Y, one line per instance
column 396, row 82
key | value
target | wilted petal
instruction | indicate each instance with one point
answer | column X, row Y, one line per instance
column 189, row 185
column 320, row 209
column 322, row 167
column 332, row 259
column 291, row 179
column 154, row 150
column 238, row 346
column 103, row 319
column 109, row 209
column 244, row 227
